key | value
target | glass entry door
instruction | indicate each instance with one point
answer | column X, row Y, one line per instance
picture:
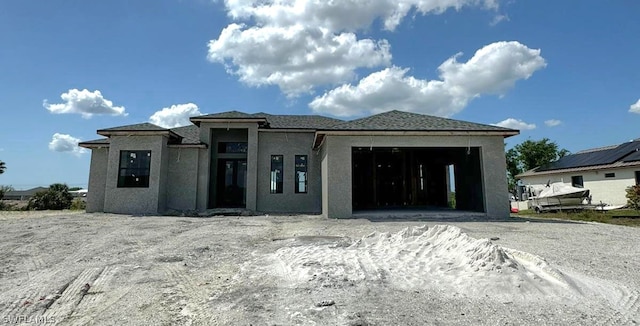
column 232, row 183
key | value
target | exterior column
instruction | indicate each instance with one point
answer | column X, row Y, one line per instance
column 252, row 168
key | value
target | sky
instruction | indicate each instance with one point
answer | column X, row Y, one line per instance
column 565, row 70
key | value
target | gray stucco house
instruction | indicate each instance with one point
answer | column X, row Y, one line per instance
column 299, row 164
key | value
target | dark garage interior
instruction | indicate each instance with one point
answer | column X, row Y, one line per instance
column 417, row 178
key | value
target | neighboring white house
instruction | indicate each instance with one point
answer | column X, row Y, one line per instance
column 605, row 171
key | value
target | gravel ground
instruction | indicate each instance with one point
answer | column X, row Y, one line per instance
column 75, row 269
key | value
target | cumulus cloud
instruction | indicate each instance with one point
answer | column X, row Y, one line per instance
column 175, row 115
column 512, row 123
column 85, row 103
column 493, row 69
column 66, row 143
column 298, row 45
column 635, row 108
column 295, row 58
column 343, row 14
column 552, row 123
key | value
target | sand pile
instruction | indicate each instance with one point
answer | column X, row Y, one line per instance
column 442, row 257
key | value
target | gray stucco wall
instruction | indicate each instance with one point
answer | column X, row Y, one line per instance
column 97, row 179
column 136, row 200
column 182, row 178
column 337, row 172
column 288, row 144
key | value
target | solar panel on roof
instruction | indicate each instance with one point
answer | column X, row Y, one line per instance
column 632, row 157
column 603, row 157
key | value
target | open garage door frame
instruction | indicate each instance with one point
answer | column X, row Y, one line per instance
column 417, row 177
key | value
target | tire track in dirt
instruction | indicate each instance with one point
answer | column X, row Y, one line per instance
column 100, row 296
column 19, row 306
column 71, row 297
column 627, row 309
column 190, row 295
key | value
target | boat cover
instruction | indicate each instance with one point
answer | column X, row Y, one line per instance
column 558, row 189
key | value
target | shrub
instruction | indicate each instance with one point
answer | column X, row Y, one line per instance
column 452, row 200
column 633, row 197
column 57, row 197
column 78, row 204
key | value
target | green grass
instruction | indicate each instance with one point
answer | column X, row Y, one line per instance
column 626, row 217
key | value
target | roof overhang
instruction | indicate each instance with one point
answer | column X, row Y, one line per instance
column 321, row 134
column 614, row 166
column 187, row 145
column 93, row 145
column 109, row 133
column 198, row 120
column 286, row 130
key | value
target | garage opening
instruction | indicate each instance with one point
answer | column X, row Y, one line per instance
column 426, row 178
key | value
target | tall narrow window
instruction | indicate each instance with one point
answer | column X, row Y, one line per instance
column 276, row 174
column 638, row 178
column 301, row 174
column 134, row 169
column 577, row 181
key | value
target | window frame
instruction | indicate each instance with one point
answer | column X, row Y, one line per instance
column 233, row 147
column 637, row 178
column 276, row 184
column 123, row 171
column 610, row 175
column 299, row 168
column 576, row 184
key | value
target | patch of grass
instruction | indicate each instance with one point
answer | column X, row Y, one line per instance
column 626, row 217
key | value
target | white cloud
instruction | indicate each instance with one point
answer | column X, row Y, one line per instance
column 497, row 19
column 343, row 14
column 66, row 143
column 493, row 69
column 552, row 123
column 635, row 108
column 299, row 45
column 295, row 58
column 175, row 116
column 515, row 124
column 85, row 103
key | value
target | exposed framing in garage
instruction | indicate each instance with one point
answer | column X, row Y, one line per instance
column 417, row 177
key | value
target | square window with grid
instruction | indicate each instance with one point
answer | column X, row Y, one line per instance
column 135, row 168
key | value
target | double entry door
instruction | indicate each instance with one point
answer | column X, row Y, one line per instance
column 231, row 187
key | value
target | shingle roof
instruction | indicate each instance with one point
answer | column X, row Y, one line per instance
column 407, row 121
column 136, row 127
column 298, row 121
column 96, row 141
column 190, row 134
column 230, row 115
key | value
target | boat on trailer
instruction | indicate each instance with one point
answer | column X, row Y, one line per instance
column 557, row 196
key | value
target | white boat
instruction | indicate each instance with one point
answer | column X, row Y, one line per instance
column 558, row 194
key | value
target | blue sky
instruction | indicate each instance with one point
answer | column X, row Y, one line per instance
column 68, row 68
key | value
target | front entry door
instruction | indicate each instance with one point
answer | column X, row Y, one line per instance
column 231, row 187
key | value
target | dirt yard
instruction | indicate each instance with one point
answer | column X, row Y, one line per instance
column 75, row 269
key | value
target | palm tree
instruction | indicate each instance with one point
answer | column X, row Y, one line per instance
column 2, row 167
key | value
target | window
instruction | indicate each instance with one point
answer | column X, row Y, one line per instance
column 134, row 169
column 276, row 174
column 638, row 178
column 232, row 147
column 301, row 174
column 609, row 175
column 576, row 181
